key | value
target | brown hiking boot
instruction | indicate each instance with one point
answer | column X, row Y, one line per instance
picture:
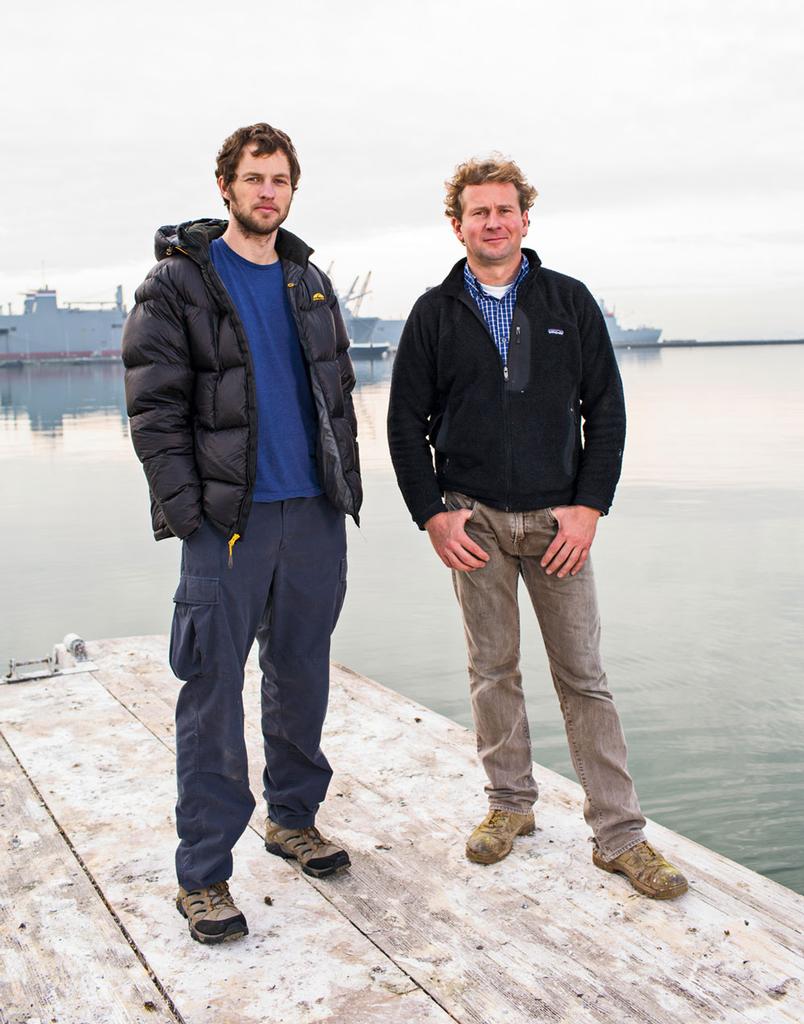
column 494, row 836
column 318, row 856
column 211, row 914
column 646, row 870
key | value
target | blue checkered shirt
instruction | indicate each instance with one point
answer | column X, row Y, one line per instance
column 498, row 313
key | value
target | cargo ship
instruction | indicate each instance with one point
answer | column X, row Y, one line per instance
column 371, row 337
column 625, row 337
column 46, row 331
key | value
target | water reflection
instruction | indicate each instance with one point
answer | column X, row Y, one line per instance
column 373, row 371
column 649, row 356
column 47, row 393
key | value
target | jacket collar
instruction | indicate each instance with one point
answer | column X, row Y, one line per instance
column 453, row 282
column 193, row 238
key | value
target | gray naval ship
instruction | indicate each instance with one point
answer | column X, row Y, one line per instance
column 46, row 331
column 625, row 337
column 371, row 337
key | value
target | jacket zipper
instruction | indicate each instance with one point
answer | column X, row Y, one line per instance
column 505, row 363
column 509, row 448
column 507, row 438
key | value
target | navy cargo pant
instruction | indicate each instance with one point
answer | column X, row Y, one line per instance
column 284, row 587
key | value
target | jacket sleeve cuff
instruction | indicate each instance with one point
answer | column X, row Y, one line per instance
column 429, row 512
column 592, row 501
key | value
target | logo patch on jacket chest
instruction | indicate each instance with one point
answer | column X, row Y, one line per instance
column 554, row 330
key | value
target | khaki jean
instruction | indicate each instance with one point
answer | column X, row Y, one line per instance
column 568, row 617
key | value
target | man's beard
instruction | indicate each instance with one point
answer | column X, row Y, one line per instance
column 252, row 226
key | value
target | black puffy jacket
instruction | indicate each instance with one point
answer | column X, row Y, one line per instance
column 190, row 388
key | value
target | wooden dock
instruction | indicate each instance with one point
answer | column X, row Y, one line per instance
column 412, row 934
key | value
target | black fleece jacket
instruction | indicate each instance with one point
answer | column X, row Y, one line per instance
column 515, row 443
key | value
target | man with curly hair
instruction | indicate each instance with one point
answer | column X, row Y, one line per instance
column 507, row 372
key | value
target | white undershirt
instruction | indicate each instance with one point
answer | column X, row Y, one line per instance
column 496, row 290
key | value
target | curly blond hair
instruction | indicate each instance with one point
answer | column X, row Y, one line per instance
column 495, row 168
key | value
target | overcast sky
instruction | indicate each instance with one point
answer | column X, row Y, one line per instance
column 665, row 139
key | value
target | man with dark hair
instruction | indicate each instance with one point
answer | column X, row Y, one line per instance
column 238, row 385
column 496, row 370
column 262, row 140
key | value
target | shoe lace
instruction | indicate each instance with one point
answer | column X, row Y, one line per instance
column 219, row 896
column 497, row 818
column 312, row 837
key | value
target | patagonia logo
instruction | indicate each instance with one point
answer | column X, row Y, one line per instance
column 554, row 330
column 318, row 297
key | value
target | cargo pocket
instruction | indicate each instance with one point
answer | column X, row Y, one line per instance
column 195, row 600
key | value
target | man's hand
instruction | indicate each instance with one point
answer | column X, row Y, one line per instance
column 453, row 546
column 570, row 547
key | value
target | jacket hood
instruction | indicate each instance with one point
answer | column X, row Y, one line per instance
column 453, row 282
column 193, row 238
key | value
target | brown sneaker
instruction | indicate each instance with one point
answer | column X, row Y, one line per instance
column 211, row 914
column 494, row 836
column 318, row 856
column 646, row 870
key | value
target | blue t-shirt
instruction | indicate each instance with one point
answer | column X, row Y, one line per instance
column 286, row 418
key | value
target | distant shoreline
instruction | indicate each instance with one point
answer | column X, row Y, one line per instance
column 691, row 343
column 11, row 364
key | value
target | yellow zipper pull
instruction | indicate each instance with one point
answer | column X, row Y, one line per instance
column 232, row 541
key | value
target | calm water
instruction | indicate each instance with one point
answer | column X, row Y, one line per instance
column 699, row 569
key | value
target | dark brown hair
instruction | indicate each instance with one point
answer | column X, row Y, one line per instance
column 477, row 172
column 263, row 140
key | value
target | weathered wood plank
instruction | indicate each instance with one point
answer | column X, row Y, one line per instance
column 110, row 783
column 61, row 948
column 723, row 883
column 541, row 936
column 618, row 939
